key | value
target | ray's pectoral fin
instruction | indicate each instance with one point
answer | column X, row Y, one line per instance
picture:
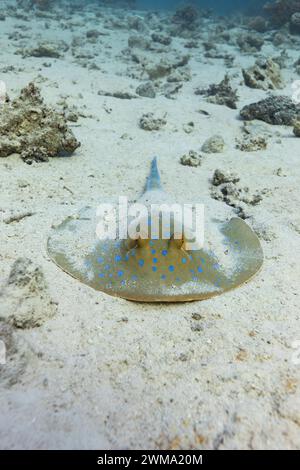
column 246, row 247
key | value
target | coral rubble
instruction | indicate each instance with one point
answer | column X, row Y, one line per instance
column 264, row 74
column 29, row 128
column 222, row 93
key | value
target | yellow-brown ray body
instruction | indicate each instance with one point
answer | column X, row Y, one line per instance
column 154, row 270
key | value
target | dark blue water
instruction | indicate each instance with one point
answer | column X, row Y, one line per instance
column 219, row 6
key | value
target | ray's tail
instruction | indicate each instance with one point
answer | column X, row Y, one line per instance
column 153, row 180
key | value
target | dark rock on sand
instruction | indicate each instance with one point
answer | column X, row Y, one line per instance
column 222, row 93
column 161, row 39
column 146, row 90
column 277, row 110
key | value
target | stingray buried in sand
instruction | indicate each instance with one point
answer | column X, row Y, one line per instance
column 155, row 269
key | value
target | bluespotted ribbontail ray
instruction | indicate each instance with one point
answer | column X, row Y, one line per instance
column 156, row 269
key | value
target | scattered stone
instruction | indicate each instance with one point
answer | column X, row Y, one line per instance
column 137, row 23
column 138, row 42
column 119, row 94
column 279, row 172
column 149, row 122
column 250, row 43
column 180, row 75
column 276, row 110
column 189, row 127
column 33, row 130
column 264, row 75
column 251, row 143
column 52, row 49
column 222, row 93
column 281, row 59
column 161, row 39
column 221, row 177
column 192, row 158
column 25, row 301
column 296, row 129
column 158, row 70
column 279, row 39
column 214, row 144
column 147, row 90
column 166, row 66
column 171, row 89
column 93, row 34
column 226, row 189
column 257, row 128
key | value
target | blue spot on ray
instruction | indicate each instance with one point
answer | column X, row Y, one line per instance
column 141, row 262
column 171, row 269
column 120, row 273
column 118, row 258
column 164, row 252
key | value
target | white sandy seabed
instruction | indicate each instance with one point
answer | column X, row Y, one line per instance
column 107, row 373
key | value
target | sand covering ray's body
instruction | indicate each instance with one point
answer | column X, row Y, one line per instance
column 155, row 270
